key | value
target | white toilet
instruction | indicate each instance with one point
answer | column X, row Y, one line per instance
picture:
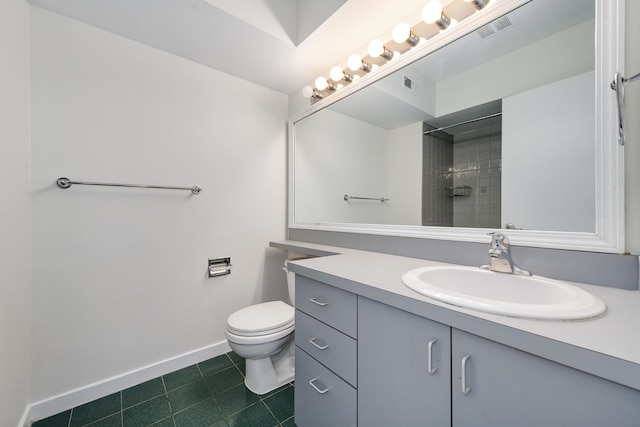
column 263, row 335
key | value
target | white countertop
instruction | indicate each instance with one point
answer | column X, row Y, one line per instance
column 607, row 346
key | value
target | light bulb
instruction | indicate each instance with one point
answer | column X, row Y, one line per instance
column 354, row 62
column 307, row 91
column 376, row 48
column 432, row 12
column 401, row 32
column 321, row 83
column 336, row 73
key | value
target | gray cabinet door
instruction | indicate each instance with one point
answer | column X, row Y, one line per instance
column 395, row 387
column 507, row 387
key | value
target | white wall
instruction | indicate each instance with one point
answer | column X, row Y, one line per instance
column 405, row 174
column 550, row 162
column 559, row 56
column 340, row 155
column 119, row 274
column 14, row 212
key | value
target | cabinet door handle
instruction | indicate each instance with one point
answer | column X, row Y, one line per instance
column 316, row 387
column 465, row 388
column 315, row 344
column 430, row 367
column 315, row 301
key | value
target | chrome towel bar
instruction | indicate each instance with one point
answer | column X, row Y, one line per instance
column 66, row 183
column 379, row 199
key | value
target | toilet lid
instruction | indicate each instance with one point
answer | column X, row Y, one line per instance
column 261, row 319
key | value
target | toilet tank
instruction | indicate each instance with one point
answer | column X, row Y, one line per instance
column 291, row 283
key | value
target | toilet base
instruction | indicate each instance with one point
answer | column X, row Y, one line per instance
column 265, row 375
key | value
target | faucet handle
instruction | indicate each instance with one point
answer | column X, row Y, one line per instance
column 498, row 240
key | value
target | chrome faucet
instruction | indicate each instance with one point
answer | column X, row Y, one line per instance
column 501, row 260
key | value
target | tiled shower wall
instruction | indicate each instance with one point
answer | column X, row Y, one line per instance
column 477, row 163
column 437, row 160
column 470, row 159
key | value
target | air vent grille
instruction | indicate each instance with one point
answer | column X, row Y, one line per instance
column 495, row 27
column 407, row 82
column 486, row 31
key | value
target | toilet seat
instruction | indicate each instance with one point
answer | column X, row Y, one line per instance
column 261, row 319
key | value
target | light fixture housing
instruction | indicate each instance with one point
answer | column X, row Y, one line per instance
column 479, row 4
column 404, row 39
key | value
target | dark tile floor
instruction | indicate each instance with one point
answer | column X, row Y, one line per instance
column 207, row 394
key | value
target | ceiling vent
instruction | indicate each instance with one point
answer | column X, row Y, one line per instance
column 493, row 28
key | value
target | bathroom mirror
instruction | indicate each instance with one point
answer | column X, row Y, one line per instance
column 507, row 121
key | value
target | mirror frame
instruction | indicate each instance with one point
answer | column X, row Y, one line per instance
column 609, row 172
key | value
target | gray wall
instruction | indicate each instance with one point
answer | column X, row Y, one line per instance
column 620, row 271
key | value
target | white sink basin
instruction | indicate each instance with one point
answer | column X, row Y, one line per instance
column 506, row 294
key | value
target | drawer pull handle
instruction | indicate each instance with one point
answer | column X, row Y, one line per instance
column 316, row 387
column 465, row 388
column 430, row 367
column 315, row 344
column 315, row 301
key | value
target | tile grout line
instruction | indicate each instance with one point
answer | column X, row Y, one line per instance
column 270, row 411
column 121, row 409
column 166, row 395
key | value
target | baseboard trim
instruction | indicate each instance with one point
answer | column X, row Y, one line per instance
column 25, row 421
column 65, row 401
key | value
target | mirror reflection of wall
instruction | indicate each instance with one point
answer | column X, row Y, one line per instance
column 462, row 175
column 531, row 163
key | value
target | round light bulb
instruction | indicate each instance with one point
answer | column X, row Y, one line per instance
column 336, row 73
column 354, row 62
column 401, row 32
column 307, row 91
column 321, row 83
column 432, row 12
column 376, row 48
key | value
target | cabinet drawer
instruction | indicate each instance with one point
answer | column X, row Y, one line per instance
column 322, row 399
column 332, row 348
column 328, row 304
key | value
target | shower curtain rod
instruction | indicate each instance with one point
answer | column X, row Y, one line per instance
column 66, row 183
column 427, row 132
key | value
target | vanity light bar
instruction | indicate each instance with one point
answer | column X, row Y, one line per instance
column 434, row 20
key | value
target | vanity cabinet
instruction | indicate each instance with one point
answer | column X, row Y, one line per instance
column 404, row 368
column 326, row 355
column 397, row 368
column 504, row 386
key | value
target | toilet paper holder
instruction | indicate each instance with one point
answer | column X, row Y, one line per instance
column 219, row 266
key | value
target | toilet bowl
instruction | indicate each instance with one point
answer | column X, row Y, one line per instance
column 263, row 335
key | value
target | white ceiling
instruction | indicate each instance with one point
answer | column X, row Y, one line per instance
column 280, row 44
